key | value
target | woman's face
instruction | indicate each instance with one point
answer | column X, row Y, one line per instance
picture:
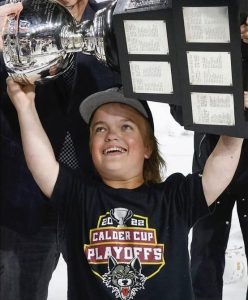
column 117, row 142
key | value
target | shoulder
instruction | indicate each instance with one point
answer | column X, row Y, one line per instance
column 175, row 178
column 69, row 178
column 171, row 184
column 179, row 183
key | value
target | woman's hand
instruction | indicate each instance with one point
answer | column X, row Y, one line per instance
column 6, row 10
column 22, row 96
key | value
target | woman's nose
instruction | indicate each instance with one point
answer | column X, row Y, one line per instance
column 111, row 136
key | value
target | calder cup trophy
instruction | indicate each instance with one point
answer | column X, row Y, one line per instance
column 121, row 215
column 39, row 43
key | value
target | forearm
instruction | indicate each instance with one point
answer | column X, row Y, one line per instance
column 220, row 167
column 37, row 149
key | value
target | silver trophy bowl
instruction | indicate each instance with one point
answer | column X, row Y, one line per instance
column 39, row 43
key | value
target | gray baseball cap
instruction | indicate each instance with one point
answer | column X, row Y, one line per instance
column 113, row 95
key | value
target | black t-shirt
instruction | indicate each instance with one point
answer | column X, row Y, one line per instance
column 128, row 244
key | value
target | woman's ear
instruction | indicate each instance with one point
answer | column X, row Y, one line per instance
column 148, row 152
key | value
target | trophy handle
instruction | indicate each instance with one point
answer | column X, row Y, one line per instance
column 128, row 216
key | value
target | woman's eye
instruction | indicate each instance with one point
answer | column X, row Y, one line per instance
column 126, row 127
column 100, row 129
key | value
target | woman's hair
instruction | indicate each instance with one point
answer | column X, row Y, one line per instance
column 155, row 164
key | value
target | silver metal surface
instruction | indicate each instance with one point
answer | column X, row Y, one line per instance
column 40, row 42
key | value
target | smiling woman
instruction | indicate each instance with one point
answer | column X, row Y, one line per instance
column 124, row 196
column 176, row 145
column 140, row 238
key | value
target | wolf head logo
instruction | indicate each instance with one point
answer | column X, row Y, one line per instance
column 124, row 279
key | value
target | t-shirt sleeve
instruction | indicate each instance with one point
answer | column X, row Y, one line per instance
column 188, row 197
column 66, row 194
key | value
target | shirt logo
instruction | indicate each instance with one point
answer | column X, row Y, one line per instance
column 123, row 251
